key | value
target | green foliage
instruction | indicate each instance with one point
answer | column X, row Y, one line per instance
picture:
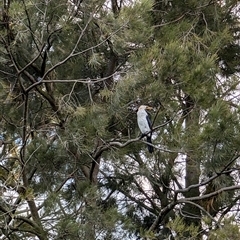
column 221, row 132
column 132, row 27
column 88, row 224
column 72, row 76
column 228, row 230
column 180, row 228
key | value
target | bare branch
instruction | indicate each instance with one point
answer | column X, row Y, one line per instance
column 223, row 171
column 212, row 194
column 73, row 54
column 203, row 210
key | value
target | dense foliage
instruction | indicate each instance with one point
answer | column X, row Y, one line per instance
column 73, row 164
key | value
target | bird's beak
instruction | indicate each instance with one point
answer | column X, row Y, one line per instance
column 149, row 108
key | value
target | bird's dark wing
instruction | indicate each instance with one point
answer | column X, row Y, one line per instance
column 150, row 147
column 149, row 121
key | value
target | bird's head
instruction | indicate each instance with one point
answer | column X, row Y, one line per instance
column 145, row 107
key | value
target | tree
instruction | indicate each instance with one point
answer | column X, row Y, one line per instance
column 47, row 160
column 73, row 74
column 184, row 73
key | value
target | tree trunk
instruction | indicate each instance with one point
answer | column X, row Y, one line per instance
column 191, row 213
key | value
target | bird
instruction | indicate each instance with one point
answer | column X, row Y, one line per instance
column 145, row 125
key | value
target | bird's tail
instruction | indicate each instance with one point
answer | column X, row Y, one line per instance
column 150, row 147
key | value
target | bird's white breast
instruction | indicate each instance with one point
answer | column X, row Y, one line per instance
column 142, row 121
